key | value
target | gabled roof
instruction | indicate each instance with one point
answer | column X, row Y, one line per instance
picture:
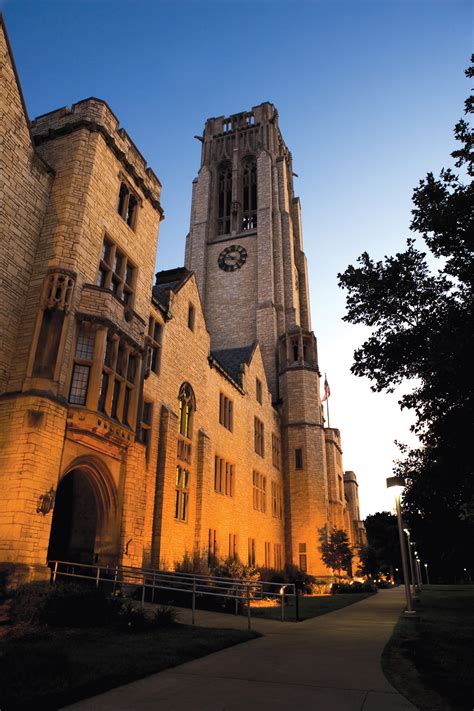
column 169, row 280
column 232, row 360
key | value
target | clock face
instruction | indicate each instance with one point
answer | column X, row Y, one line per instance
column 232, row 258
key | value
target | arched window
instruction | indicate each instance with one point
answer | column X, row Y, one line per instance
column 187, row 406
column 224, row 189
column 249, row 195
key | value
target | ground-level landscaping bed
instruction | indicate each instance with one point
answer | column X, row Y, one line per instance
column 309, row 606
column 48, row 667
column 430, row 660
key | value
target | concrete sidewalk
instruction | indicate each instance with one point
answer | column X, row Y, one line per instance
column 329, row 663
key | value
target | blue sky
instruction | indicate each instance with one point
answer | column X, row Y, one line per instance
column 368, row 93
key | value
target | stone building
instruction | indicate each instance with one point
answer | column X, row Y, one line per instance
column 143, row 416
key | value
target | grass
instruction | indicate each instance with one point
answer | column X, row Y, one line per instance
column 53, row 667
column 310, row 606
column 431, row 662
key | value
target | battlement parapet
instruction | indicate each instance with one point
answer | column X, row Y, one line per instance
column 96, row 116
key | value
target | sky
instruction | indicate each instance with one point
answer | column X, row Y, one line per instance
column 368, row 92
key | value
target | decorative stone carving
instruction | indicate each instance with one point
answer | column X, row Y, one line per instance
column 58, row 288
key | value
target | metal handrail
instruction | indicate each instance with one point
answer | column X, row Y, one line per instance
column 232, row 588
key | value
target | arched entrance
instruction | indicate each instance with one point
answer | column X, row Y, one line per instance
column 84, row 528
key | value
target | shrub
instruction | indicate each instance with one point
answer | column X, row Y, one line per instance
column 76, row 606
column 194, row 563
column 354, row 587
column 302, row 580
column 131, row 618
column 165, row 616
column 28, row 602
column 62, row 605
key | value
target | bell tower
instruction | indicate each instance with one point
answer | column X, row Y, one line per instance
column 245, row 247
column 245, row 243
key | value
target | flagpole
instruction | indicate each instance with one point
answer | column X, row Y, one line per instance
column 327, row 410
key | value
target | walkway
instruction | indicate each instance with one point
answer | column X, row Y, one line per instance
column 329, row 663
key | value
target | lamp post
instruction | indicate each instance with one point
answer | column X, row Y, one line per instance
column 427, row 576
column 418, row 572
column 410, row 556
column 397, row 484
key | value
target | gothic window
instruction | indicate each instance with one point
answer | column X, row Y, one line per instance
column 233, row 546
column 155, row 334
column 181, row 494
column 298, row 458
column 303, row 558
column 259, row 492
column 223, row 477
column 258, row 436
column 226, row 412
column 118, row 384
column 277, row 505
column 127, row 206
column 249, row 178
column 211, row 545
column 187, row 406
column 276, row 446
column 224, row 189
column 116, row 272
column 82, row 365
column 251, row 552
column 277, row 556
column 258, row 390
column 268, row 561
column 191, row 317
column 145, row 427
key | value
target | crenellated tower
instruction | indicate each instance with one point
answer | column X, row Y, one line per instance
column 245, row 247
column 245, row 243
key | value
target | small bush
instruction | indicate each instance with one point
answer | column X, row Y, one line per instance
column 165, row 616
column 354, row 587
column 28, row 602
column 131, row 619
column 195, row 563
column 76, row 606
column 302, row 580
column 62, row 605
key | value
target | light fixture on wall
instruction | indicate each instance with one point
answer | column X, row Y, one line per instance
column 46, row 502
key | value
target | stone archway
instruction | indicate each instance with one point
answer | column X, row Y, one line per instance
column 85, row 526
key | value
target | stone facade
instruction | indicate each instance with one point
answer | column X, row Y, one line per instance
column 143, row 417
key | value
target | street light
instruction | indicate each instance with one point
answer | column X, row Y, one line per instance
column 397, row 484
column 427, row 576
column 410, row 556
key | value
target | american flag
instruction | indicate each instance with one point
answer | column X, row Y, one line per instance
column 327, row 390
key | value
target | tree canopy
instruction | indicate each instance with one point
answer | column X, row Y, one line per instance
column 422, row 324
column 336, row 551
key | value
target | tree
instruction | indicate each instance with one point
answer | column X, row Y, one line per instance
column 382, row 537
column 423, row 331
column 369, row 564
column 335, row 551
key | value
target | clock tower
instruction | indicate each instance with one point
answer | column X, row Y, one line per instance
column 245, row 239
column 245, row 248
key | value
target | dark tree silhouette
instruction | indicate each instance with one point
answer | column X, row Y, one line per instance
column 336, row 551
column 423, row 331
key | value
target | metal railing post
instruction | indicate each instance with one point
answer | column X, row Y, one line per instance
column 143, row 592
column 297, row 605
column 248, row 608
column 115, row 578
column 282, row 596
column 55, row 572
column 97, row 577
column 193, row 607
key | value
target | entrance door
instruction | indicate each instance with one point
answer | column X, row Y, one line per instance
column 74, row 526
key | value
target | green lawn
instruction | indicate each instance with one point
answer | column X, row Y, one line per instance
column 310, row 606
column 432, row 662
column 52, row 668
